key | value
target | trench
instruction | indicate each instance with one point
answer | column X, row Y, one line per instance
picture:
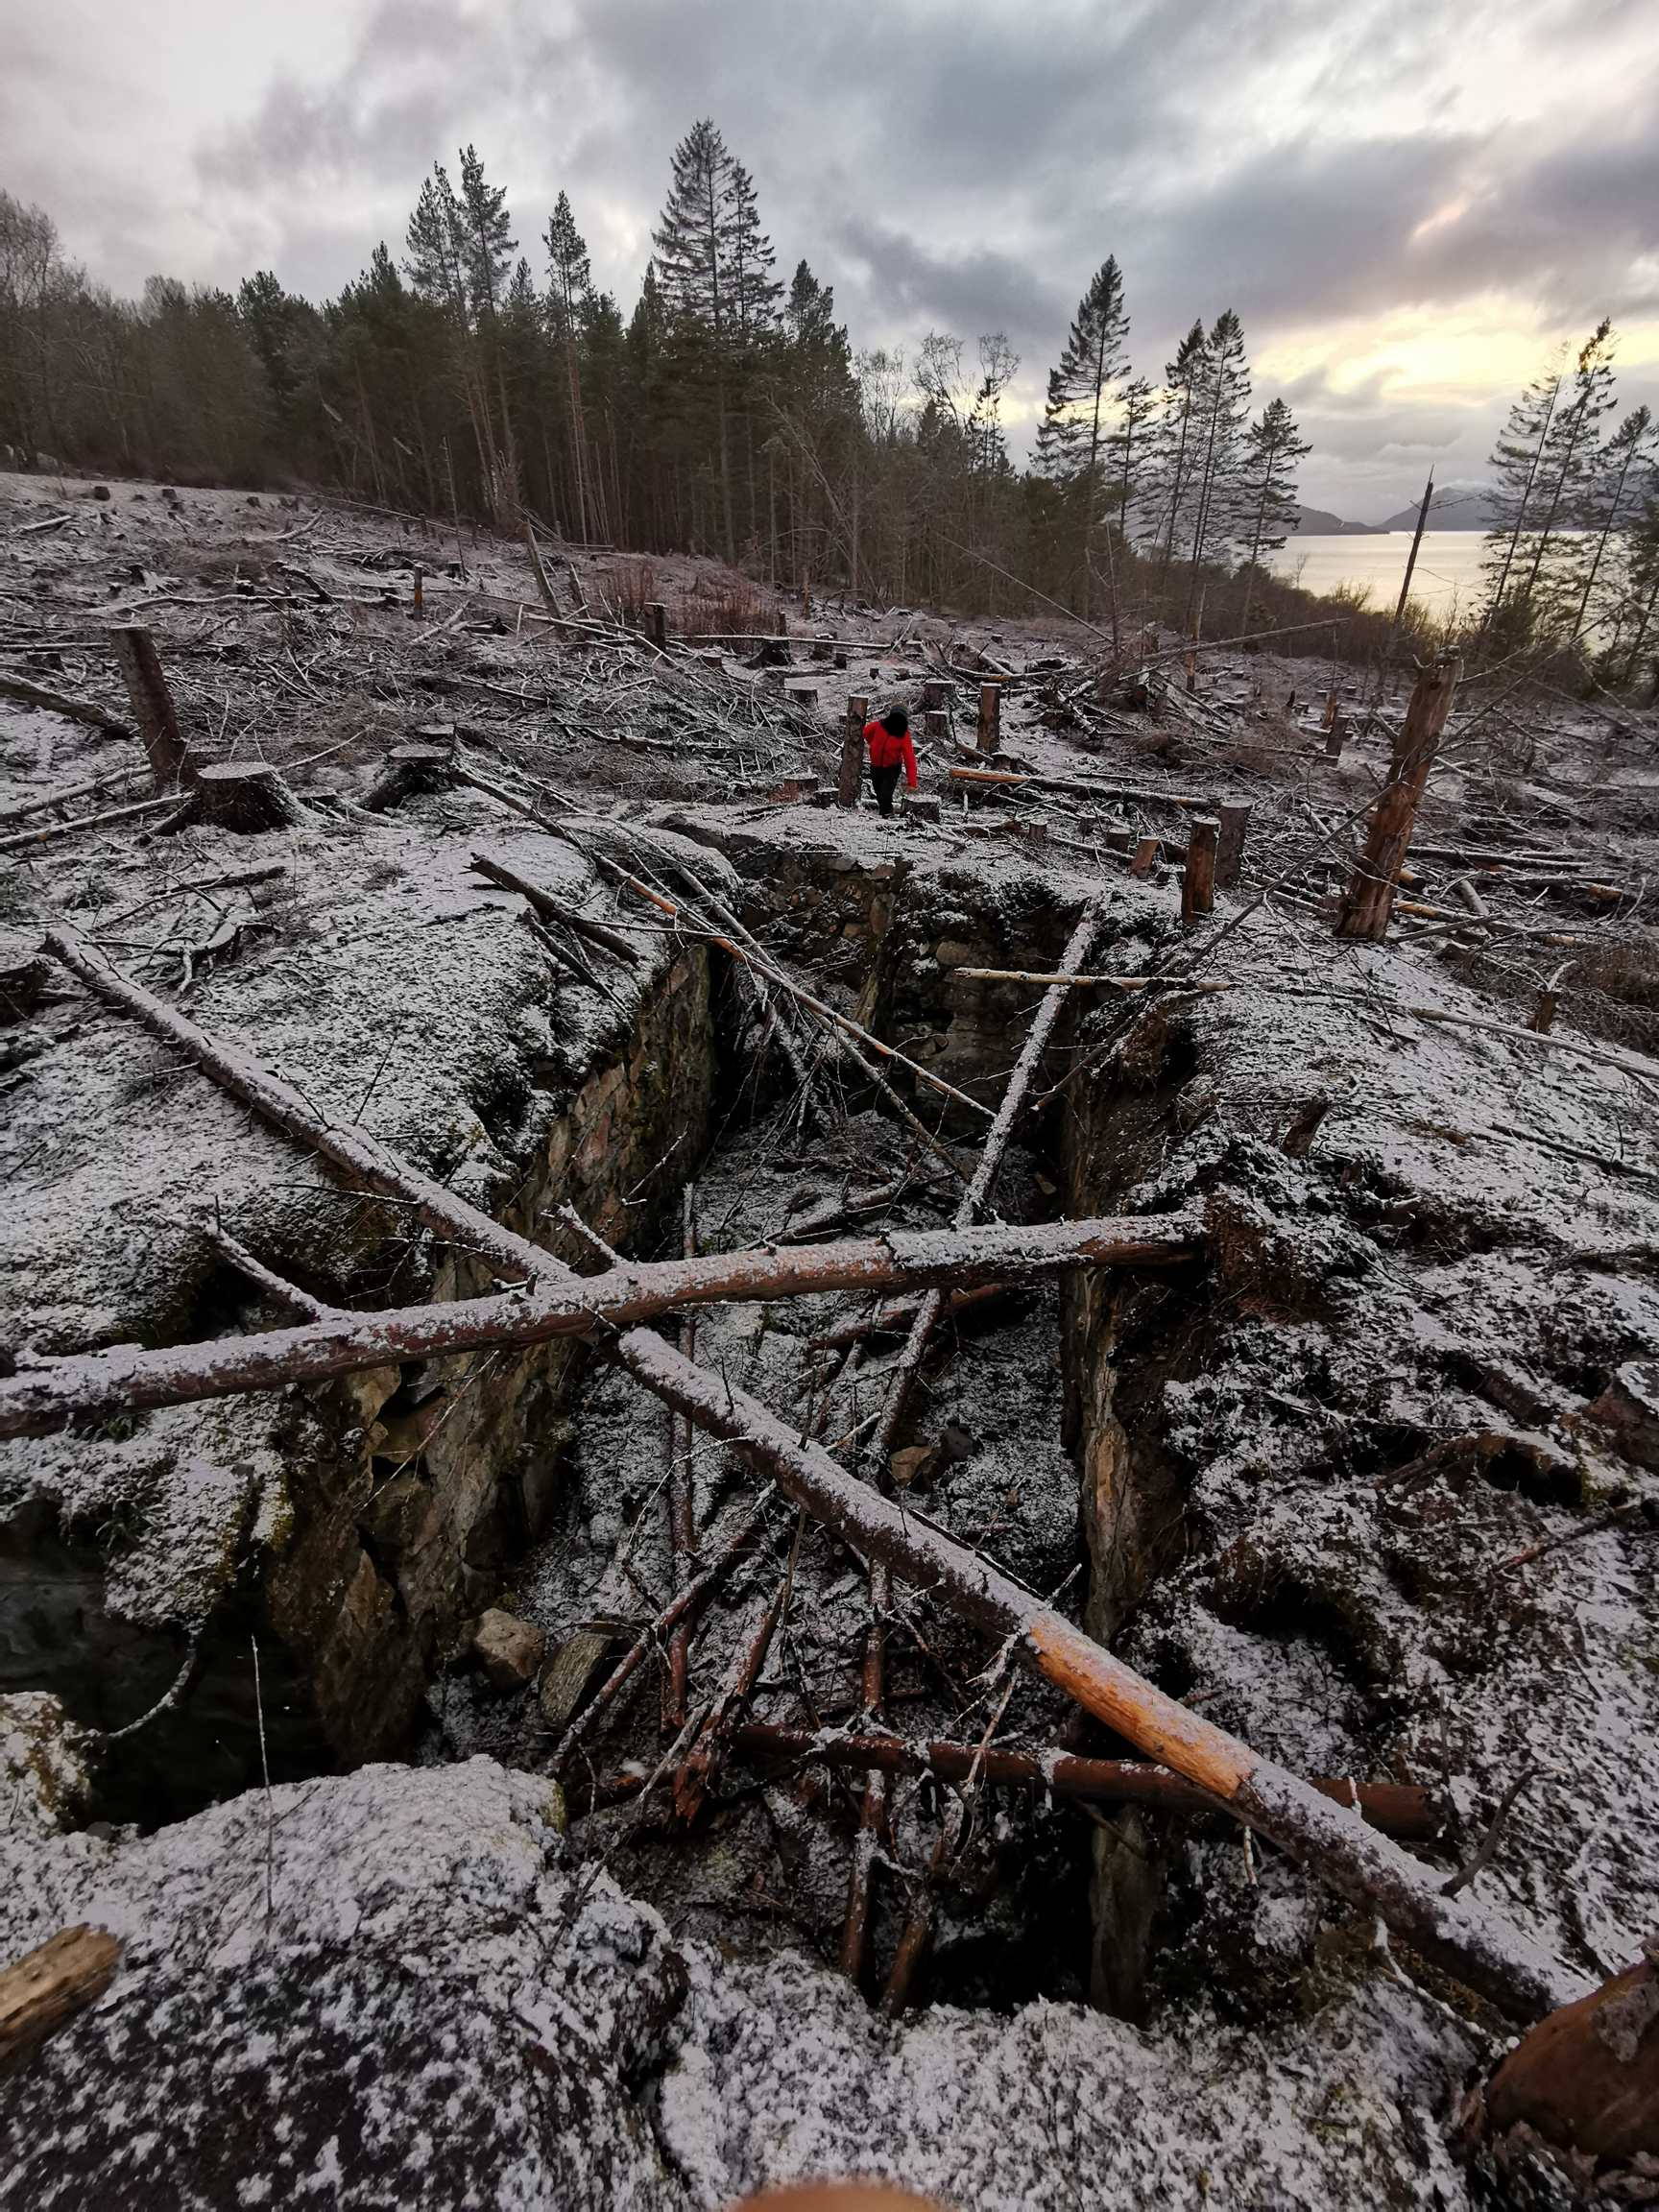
column 421, row 1497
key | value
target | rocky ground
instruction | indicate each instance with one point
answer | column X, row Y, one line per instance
column 1372, row 1487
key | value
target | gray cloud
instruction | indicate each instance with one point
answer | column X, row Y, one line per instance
column 1310, row 166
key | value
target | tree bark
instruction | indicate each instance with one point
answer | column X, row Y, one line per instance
column 1369, row 899
column 128, row 1377
column 152, row 708
column 45, row 1988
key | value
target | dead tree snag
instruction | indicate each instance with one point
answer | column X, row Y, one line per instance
column 1369, row 899
column 152, row 708
column 1199, row 877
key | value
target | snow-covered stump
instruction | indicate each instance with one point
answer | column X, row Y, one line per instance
column 427, row 764
column 152, row 708
column 1368, row 903
column 25, row 978
column 245, row 797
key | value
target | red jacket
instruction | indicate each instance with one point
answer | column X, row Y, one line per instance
column 888, row 751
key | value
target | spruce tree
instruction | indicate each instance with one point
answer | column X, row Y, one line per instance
column 1622, row 482
column 1222, row 413
column 570, row 284
column 488, row 247
column 1175, row 441
column 1515, row 462
column 1273, row 446
column 1072, row 441
column 1565, row 479
column 694, row 244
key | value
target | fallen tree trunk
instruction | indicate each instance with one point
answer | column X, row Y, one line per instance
column 45, row 1988
column 130, row 1377
column 1472, row 1941
column 1405, row 1810
column 26, row 694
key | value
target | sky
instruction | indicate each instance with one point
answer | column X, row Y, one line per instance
column 1406, row 202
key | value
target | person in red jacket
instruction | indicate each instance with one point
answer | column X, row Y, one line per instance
column 887, row 740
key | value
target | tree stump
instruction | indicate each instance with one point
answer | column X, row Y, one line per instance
column 852, row 774
column 1199, row 877
column 936, row 727
column 935, row 693
column 1230, row 846
column 243, row 796
column 990, row 716
column 657, row 624
column 1146, row 851
column 427, row 765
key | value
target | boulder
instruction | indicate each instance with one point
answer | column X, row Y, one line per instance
column 508, row 1649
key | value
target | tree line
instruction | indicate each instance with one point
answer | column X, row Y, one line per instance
column 1571, row 562
column 728, row 413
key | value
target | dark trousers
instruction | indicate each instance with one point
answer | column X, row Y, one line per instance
column 884, row 782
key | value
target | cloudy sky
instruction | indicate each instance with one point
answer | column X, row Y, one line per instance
column 1405, row 200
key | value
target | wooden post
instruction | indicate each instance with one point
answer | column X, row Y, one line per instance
column 852, row 774
column 152, row 708
column 1368, row 901
column 1199, row 877
column 657, row 624
column 990, row 716
column 419, row 607
column 1229, row 845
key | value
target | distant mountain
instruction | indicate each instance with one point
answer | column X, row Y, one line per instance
column 1455, row 507
column 1315, row 522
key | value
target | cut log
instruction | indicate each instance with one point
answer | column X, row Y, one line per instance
column 1146, row 851
column 52, row 830
column 1405, row 1810
column 128, row 1377
column 44, row 1990
column 852, row 772
column 556, row 909
column 1368, row 901
column 152, row 708
column 74, row 710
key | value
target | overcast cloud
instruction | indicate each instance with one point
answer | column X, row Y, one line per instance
column 1406, row 201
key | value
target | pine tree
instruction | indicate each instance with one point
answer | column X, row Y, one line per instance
column 1131, row 449
column 439, row 261
column 1222, row 413
column 1565, row 478
column 696, row 247
column 1515, row 462
column 1623, row 478
column 488, row 247
column 1268, row 489
column 570, row 284
column 1174, row 458
column 754, row 292
column 1071, row 442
